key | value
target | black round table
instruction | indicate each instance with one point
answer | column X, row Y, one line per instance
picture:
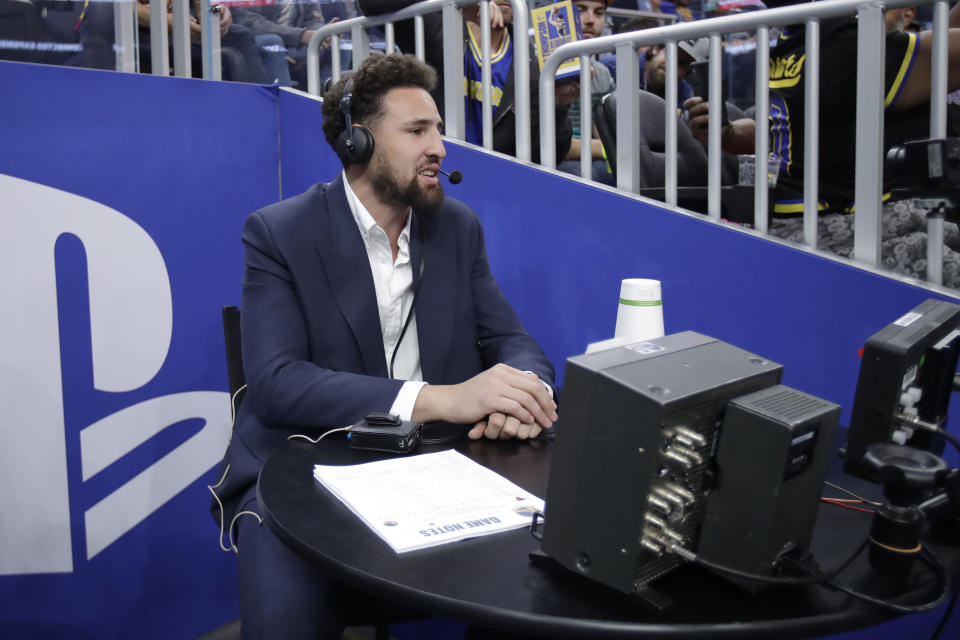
column 491, row 581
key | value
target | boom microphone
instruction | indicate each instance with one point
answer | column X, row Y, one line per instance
column 453, row 176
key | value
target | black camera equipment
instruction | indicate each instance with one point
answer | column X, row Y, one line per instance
column 385, row 432
column 928, row 170
column 915, row 483
column 907, row 372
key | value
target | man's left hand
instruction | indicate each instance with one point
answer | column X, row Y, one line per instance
column 698, row 117
column 566, row 93
column 471, row 13
column 226, row 19
column 499, row 426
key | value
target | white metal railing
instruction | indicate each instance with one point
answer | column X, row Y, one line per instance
column 159, row 40
column 178, row 33
column 181, row 37
column 452, row 60
column 869, row 134
column 618, row 12
column 125, row 25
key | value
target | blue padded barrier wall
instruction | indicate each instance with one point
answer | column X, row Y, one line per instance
column 137, row 188
column 111, row 364
column 305, row 156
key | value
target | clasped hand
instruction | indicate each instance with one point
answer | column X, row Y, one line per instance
column 501, row 402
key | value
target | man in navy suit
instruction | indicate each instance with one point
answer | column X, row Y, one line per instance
column 369, row 293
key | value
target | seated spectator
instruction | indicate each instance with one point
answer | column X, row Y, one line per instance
column 295, row 23
column 653, row 67
column 404, row 36
column 592, row 23
column 653, row 62
column 633, row 24
column 237, row 40
column 906, row 87
column 504, row 125
column 83, row 31
column 21, row 29
column 679, row 8
column 504, row 113
column 899, row 19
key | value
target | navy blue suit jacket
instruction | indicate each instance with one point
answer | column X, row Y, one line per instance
column 312, row 346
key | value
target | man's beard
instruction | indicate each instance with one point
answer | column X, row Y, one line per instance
column 389, row 190
column 657, row 85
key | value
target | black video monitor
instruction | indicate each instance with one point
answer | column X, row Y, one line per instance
column 907, row 369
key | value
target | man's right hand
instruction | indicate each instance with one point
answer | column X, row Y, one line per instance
column 196, row 32
column 500, row 389
column 307, row 35
column 471, row 13
column 566, row 93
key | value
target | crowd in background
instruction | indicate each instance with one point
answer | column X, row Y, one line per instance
column 265, row 41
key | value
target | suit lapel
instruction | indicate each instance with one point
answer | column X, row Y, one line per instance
column 345, row 262
column 437, row 296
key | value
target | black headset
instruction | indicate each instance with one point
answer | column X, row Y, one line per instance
column 354, row 144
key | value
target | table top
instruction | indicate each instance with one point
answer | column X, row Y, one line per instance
column 490, row 580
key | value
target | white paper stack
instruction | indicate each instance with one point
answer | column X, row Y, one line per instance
column 430, row 499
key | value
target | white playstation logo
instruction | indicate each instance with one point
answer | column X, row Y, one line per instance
column 131, row 323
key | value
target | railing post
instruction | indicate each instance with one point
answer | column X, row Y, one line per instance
column 761, row 151
column 159, row 40
column 359, row 44
column 486, row 105
column 124, row 22
column 811, row 131
column 210, row 40
column 670, row 177
column 181, row 38
column 453, row 71
column 335, row 61
column 938, row 130
column 871, row 45
column 521, row 77
column 628, row 117
column 548, row 125
column 586, row 119
column 418, row 38
column 389, row 38
column 938, row 71
column 715, row 122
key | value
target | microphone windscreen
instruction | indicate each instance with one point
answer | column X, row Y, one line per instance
column 455, row 177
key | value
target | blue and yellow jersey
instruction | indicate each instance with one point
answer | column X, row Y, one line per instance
column 682, row 12
column 501, row 62
column 838, row 103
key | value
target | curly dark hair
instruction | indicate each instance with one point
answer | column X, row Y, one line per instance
column 376, row 76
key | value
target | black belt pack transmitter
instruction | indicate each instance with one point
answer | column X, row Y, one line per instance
column 385, row 432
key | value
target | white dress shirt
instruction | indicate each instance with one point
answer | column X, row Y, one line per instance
column 393, row 282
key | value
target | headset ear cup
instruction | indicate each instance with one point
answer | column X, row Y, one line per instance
column 362, row 145
column 355, row 146
column 341, row 148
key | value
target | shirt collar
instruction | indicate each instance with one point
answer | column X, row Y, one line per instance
column 366, row 224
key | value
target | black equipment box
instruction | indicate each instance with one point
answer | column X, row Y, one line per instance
column 772, row 457
column 633, row 457
column 907, row 366
column 385, row 432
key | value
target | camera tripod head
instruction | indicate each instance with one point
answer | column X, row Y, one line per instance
column 908, row 476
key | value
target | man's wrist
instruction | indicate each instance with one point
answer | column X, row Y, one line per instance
column 542, row 381
column 726, row 134
column 403, row 405
column 430, row 404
